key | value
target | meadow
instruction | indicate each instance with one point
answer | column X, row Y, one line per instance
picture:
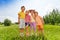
column 52, row 32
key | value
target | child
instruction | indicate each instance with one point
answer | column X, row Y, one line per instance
column 21, row 20
column 39, row 23
column 32, row 22
column 27, row 22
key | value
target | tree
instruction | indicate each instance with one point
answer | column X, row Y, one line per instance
column 53, row 17
column 7, row 22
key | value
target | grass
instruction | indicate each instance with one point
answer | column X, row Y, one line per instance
column 9, row 32
column 52, row 32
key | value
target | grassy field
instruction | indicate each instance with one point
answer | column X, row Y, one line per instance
column 52, row 32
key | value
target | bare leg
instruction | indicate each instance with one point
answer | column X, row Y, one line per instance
column 21, row 31
column 27, row 32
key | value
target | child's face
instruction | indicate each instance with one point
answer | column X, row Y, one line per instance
column 36, row 14
column 23, row 9
column 32, row 12
column 27, row 12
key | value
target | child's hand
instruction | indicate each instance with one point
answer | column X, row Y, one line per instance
column 18, row 22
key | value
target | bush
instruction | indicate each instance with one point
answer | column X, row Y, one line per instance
column 16, row 22
column 0, row 23
column 7, row 22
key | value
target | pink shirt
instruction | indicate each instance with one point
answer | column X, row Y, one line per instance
column 27, row 18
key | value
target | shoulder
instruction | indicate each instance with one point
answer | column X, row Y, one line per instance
column 39, row 16
column 29, row 15
column 19, row 13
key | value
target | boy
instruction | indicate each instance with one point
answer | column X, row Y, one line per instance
column 21, row 20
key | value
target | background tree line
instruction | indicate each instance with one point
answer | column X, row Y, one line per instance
column 52, row 17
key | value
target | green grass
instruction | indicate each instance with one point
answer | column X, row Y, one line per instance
column 52, row 32
column 9, row 32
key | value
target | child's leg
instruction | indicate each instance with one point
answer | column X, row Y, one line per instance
column 42, row 31
column 39, row 29
column 34, row 26
column 22, row 25
column 43, row 36
column 26, row 24
column 27, row 30
column 21, row 30
column 31, row 26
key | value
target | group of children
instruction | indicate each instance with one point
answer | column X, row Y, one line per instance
column 30, row 18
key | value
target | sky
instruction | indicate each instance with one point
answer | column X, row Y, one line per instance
column 10, row 8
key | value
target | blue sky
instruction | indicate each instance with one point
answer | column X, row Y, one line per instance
column 4, row 2
column 10, row 8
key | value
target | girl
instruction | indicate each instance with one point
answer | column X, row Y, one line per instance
column 27, row 21
column 32, row 22
column 39, row 23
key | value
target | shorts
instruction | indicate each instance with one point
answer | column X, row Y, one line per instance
column 39, row 27
column 22, row 23
column 27, row 24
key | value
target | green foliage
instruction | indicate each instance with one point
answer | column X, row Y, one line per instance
column 0, row 23
column 7, row 22
column 52, row 32
column 53, row 17
column 16, row 22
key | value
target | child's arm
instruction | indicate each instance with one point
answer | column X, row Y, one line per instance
column 29, row 19
column 18, row 19
column 42, row 20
